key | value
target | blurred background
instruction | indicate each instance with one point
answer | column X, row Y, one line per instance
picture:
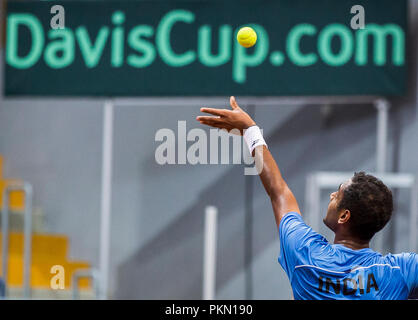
column 83, row 142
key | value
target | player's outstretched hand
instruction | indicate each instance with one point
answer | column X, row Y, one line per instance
column 227, row 119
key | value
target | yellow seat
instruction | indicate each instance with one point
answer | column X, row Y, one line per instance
column 47, row 250
column 16, row 198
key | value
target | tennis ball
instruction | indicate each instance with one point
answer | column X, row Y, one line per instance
column 246, row 37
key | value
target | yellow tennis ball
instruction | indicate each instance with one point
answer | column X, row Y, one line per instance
column 247, row 37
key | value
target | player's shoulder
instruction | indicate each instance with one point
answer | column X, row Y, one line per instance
column 293, row 222
column 294, row 232
column 400, row 259
column 291, row 216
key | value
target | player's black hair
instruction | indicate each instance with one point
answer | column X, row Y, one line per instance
column 370, row 203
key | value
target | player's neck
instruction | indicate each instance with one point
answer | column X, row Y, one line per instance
column 350, row 242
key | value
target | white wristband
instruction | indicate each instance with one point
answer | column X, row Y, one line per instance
column 254, row 138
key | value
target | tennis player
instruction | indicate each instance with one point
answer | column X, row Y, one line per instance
column 348, row 268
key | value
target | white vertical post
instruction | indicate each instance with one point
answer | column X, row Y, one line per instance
column 414, row 217
column 209, row 253
column 314, row 201
column 308, row 200
column 27, row 225
column 382, row 107
column 106, row 198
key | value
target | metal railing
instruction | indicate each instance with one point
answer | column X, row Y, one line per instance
column 93, row 274
column 27, row 231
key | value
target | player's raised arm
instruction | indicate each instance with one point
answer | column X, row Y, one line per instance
column 282, row 198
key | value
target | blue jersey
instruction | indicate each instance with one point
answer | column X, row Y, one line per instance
column 320, row 270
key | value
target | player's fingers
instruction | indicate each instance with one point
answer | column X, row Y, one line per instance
column 215, row 125
column 210, row 119
column 211, row 124
column 215, row 112
column 233, row 103
column 225, row 127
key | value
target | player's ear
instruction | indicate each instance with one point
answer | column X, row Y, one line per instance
column 344, row 216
